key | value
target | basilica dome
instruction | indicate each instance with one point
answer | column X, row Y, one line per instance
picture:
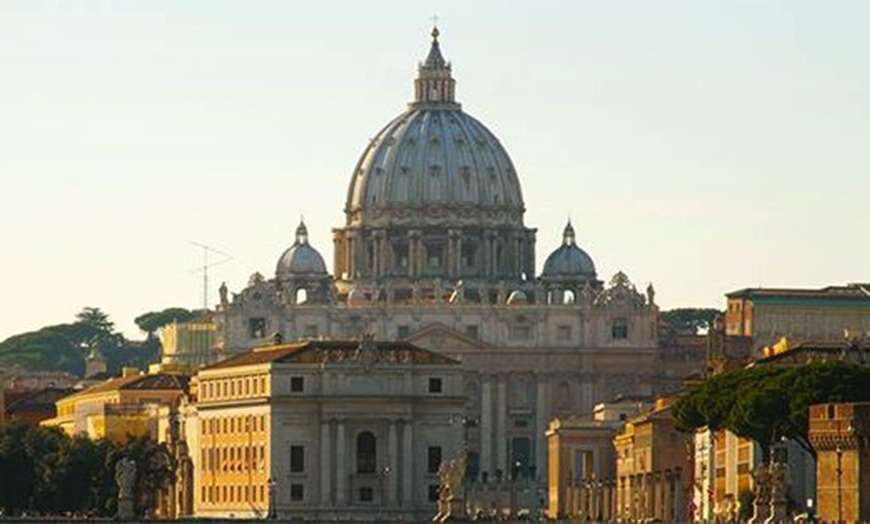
column 568, row 261
column 300, row 259
column 434, row 164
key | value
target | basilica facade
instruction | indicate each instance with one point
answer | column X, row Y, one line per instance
column 434, row 251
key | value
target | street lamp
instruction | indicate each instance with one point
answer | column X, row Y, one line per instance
column 467, row 422
column 273, row 486
column 839, row 451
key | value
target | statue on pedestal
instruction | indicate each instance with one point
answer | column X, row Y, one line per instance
column 125, row 477
column 451, row 500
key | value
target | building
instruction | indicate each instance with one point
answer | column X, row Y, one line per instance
column 185, row 346
column 31, row 405
column 582, row 462
column 434, row 251
column 653, row 469
column 839, row 434
column 326, row 430
column 119, row 407
column 766, row 315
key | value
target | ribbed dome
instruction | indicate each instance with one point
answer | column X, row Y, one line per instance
column 568, row 261
column 300, row 259
column 431, row 158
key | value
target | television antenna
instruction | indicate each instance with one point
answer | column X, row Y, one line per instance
column 223, row 258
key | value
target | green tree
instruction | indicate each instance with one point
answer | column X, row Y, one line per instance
column 152, row 321
column 766, row 403
column 690, row 319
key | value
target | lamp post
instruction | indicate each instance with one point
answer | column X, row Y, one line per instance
column 839, row 451
column 467, row 422
column 273, row 486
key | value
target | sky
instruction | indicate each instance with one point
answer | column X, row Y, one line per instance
column 701, row 145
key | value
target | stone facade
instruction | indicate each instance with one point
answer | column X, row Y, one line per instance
column 327, row 430
column 766, row 315
column 434, row 251
column 839, row 434
column 653, row 469
column 582, row 461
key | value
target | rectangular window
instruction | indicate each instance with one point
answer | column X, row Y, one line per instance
column 297, row 384
column 619, row 329
column 435, row 385
column 297, row 459
column 472, row 331
column 521, row 332
column 257, row 327
column 403, row 331
column 297, row 492
column 563, row 333
column 433, row 461
column 366, row 494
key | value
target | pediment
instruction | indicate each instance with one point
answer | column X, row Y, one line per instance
column 439, row 337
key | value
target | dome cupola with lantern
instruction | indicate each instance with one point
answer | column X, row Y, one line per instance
column 434, row 199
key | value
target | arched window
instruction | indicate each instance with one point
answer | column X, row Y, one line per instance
column 568, row 297
column 366, row 453
column 301, row 295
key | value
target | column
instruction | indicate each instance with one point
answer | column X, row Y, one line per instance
column 408, row 464
column 540, row 440
column 341, row 469
column 325, row 456
column 666, row 503
column 486, row 462
column 393, row 464
column 678, row 495
column 501, row 459
column 650, row 496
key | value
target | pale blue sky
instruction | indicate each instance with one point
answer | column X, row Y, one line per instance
column 700, row 145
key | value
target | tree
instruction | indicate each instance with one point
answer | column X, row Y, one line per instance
column 692, row 320
column 60, row 347
column 152, row 321
column 767, row 403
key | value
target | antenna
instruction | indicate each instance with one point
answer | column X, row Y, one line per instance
column 225, row 257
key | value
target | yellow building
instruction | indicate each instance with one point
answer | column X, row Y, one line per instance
column 119, row 407
column 325, row 430
column 185, row 346
column 581, row 469
column 653, row 468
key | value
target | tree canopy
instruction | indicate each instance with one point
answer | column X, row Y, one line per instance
column 690, row 319
column 44, row 470
column 63, row 347
column 153, row 320
column 766, row 403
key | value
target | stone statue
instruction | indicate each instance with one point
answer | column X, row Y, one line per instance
column 451, row 502
column 125, row 477
column 651, row 294
column 458, row 293
column 223, row 293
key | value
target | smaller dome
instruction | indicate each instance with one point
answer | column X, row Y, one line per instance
column 568, row 261
column 300, row 259
column 517, row 298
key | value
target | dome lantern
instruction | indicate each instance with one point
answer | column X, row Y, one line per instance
column 434, row 83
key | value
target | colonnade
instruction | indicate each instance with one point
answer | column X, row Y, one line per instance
column 650, row 496
column 394, row 486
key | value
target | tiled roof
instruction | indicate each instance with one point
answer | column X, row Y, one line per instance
column 336, row 351
column 160, row 381
column 850, row 291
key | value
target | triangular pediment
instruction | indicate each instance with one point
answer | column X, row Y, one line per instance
column 439, row 337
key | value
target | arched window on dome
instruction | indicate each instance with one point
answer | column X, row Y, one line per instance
column 568, row 297
column 301, row 295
